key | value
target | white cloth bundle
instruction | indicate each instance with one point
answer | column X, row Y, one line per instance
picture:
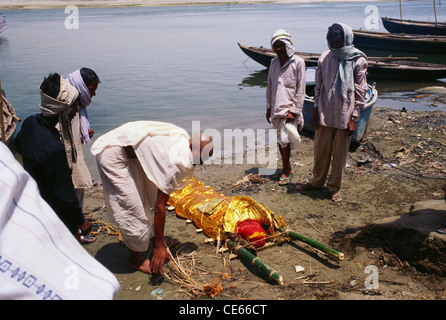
column 287, row 133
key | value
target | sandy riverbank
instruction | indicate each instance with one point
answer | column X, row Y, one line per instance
column 386, row 220
column 53, row 4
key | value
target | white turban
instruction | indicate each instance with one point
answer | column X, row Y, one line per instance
column 285, row 37
column 61, row 107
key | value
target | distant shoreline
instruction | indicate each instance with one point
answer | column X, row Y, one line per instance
column 57, row 4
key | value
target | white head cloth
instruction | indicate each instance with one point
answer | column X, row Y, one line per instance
column 61, row 107
column 75, row 79
column 285, row 37
column 344, row 81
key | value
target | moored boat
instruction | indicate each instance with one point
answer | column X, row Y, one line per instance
column 394, row 25
column 389, row 68
column 389, row 43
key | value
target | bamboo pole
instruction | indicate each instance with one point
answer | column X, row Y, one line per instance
column 315, row 244
column 2, row 122
column 247, row 256
column 401, row 13
column 435, row 12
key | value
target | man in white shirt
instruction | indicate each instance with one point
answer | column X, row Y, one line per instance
column 285, row 95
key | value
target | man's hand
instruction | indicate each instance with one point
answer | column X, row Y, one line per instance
column 85, row 227
column 160, row 255
column 290, row 117
column 268, row 115
column 351, row 128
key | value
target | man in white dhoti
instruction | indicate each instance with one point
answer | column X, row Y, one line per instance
column 140, row 164
column 285, row 93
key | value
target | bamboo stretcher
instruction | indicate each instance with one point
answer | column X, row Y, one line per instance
column 219, row 216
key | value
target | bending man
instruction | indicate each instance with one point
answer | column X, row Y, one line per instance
column 140, row 164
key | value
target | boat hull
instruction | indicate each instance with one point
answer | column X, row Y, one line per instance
column 413, row 27
column 389, row 43
column 378, row 67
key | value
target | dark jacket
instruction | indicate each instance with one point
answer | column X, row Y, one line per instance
column 43, row 156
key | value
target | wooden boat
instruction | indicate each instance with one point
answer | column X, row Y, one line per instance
column 10, row 120
column 264, row 55
column 364, row 116
column 413, row 27
column 391, row 42
column 389, row 68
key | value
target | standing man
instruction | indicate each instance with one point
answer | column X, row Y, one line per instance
column 340, row 91
column 86, row 82
column 285, row 95
column 140, row 164
column 48, row 154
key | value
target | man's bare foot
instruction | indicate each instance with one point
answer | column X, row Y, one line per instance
column 138, row 262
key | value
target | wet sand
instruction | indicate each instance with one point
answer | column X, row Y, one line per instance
column 392, row 202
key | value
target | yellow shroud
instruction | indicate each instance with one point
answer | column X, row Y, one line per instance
column 218, row 214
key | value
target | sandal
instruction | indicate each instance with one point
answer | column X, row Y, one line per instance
column 284, row 181
column 336, row 197
column 87, row 239
column 278, row 174
column 441, row 229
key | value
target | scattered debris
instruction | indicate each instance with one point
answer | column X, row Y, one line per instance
column 299, row 268
column 251, row 178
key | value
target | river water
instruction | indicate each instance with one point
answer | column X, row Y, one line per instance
column 179, row 63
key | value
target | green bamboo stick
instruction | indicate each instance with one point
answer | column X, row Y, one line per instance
column 327, row 250
column 256, row 262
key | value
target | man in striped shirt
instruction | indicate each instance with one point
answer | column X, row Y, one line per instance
column 340, row 91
